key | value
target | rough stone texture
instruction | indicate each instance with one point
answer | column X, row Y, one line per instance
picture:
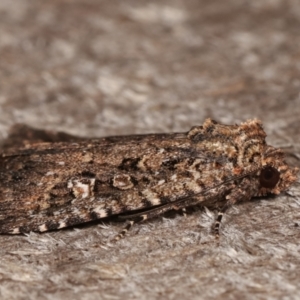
column 96, row 68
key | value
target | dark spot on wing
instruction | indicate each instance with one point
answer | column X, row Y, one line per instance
column 164, row 199
column 88, row 174
column 75, row 220
column 16, row 177
column 170, row 164
column 94, row 215
column 129, row 164
column 109, row 212
column 146, row 203
column 51, row 225
column 24, row 229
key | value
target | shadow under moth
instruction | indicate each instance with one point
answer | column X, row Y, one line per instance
column 53, row 180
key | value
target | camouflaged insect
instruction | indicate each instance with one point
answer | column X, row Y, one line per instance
column 53, row 184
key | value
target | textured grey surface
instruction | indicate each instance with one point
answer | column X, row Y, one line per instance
column 96, row 68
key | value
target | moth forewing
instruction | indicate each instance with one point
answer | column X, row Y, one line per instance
column 46, row 186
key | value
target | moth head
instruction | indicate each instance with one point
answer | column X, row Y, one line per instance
column 275, row 175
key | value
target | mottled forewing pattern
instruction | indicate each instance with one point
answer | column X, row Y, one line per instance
column 52, row 185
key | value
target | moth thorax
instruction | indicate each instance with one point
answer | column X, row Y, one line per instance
column 250, row 152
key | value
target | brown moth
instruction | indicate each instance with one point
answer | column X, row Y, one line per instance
column 54, row 184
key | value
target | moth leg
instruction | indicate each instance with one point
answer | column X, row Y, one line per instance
column 242, row 193
column 129, row 225
column 218, row 221
column 152, row 213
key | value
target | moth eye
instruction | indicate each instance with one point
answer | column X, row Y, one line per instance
column 269, row 177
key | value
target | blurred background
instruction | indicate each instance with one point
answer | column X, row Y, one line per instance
column 118, row 67
column 98, row 68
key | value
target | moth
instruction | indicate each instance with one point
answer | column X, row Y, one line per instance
column 54, row 180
